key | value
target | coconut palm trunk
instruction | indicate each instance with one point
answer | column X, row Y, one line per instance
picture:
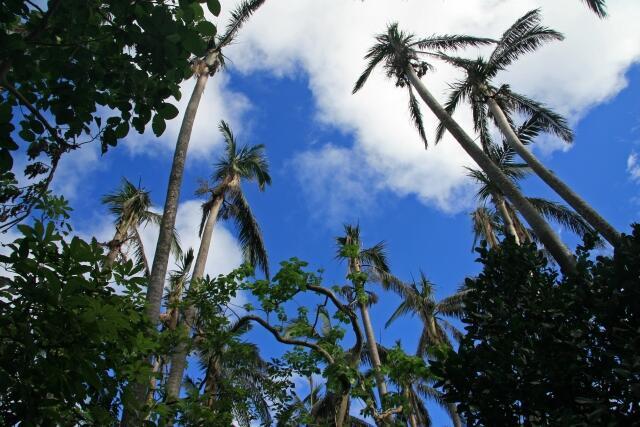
column 163, row 247
column 179, row 357
column 371, row 343
column 567, row 194
column 547, row 236
column 500, row 204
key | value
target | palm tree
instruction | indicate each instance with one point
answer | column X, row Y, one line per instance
column 398, row 52
column 417, row 391
column 203, row 67
column 499, row 104
column 598, row 7
column 226, row 200
column 373, row 263
column 487, row 222
column 131, row 207
column 418, row 298
column 232, row 368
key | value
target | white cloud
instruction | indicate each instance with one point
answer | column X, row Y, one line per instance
column 327, row 40
column 218, row 102
column 633, row 166
column 224, row 254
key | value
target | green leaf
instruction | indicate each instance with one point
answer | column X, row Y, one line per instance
column 206, row 28
column 158, row 125
column 6, row 161
column 214, row 7
column 168, row 111
column 193, row 43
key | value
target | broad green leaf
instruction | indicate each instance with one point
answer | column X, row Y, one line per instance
column 214, row 7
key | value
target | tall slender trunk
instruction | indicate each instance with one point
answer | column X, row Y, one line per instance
column 342, row 410
column 167, row 224
column 413, row 420
column 179, row 357
column 559, row 251
column 453, row 413
column 372, row 343
column 498, row 200
column 562, row 189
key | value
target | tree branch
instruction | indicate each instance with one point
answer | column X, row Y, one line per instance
column 282, row 339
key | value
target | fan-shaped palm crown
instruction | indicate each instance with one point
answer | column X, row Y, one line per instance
column 418, row 298
column 524, row 36
column 239, row 164
column 131, row 207
column 397, row 50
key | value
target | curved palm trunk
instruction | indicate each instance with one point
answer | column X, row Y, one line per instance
column 562, row 189
column 560, row 252
column 179, row 357
column 372, row 345
column 498, row 200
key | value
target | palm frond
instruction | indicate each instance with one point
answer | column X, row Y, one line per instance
column 376, row 258
column 562, row 215
column 547, row 119
column 485, row 226
column 460, row 92
column 376, row 55
column 524, row 36
column 451, row 42
column 249, row 233
column 402, row 310
column 239, row 16
column 598, row 7
column 416, row 116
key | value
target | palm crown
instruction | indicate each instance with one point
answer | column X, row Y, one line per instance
column 397, row 50
column 131, row 207
column 524, row 36
column 418, row 298
column 239, row 164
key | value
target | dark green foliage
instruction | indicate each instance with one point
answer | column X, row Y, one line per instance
column 77, row 71
column 540, row 350
column 69, row 342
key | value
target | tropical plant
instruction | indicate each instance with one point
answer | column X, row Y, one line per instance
column 363, row 265
column 399, row 52
column 226, row 200
column 131, row 207
column 418, row 298
column 70, row 343
column 74, row 72
column 545, row 350
column 209, row 60
column 503, row 218
column 599, row 7
column 499, row 104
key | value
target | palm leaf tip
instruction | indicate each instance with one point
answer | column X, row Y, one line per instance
column 598, row 7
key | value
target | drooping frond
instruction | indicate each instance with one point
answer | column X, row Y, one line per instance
column 128, row 203
column 598, row 7
column 249, row 233
column 486, row 225
column 141, row 257
column 156, row 219
column 239, row 16
column 547, row 119
column 460, row 91
column 375, row 257
column 524, row 36
column 402, row 310
column 562, row 215
column 416, row 116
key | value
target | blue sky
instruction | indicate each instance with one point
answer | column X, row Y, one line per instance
column 337, row 158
